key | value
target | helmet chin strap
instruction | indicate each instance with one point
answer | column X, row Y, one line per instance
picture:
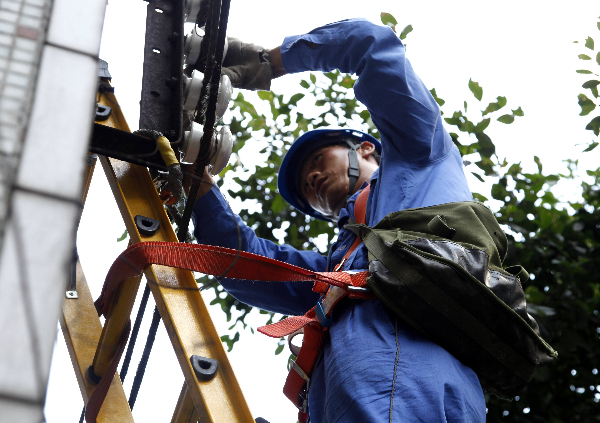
column 353, row 171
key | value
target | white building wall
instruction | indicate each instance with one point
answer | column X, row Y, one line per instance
column 48, row 81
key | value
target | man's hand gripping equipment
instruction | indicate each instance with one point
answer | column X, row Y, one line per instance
column 248, row 66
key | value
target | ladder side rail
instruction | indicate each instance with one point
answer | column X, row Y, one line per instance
column 185, row 411
column 176, row 294
column 81, row 328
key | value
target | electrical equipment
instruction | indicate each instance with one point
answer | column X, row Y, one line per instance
column 193, row 88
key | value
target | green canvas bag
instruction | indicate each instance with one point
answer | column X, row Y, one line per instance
column 440, row 269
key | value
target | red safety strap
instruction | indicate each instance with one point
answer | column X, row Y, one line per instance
column 225, row 262
column 360, row 215
column 216, row 261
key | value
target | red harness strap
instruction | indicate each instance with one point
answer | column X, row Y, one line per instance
column 224, row 262
column 297, row 383
column 211, row 260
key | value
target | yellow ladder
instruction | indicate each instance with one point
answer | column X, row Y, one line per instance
column 177, row 297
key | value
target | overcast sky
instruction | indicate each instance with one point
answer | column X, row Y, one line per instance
column 521, row 50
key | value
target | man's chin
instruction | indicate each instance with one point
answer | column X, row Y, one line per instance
column 334, row 212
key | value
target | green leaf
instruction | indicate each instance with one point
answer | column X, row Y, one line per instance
column 438, row 100
column 584, row 71
column 476, row 89
column 593, row 145
column 455, row 119
column 122, row 237
column 478, row 176
column 586, row 104
column 594, row 125
column 584, row 57
column 499, row 192
column 279, row 349
column 479, row 197
column 534, row 295
column 598, row 58
column 592, row 85
column 495, row 106
column 589, row 43
column 296, row 98
column 389, row 20
column 278, row 204
column 465, row 103
column 407, row 30
column 303, row 84
column 537, row 160
column 518, row 112
column 506, row 119
column 332, row 75
column 313, row 78
column 365, row 115
column 266, row 95
column 347, row 81
column 486, row 148
column 480, row 127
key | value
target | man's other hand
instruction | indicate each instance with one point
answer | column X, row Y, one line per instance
column 188, row 176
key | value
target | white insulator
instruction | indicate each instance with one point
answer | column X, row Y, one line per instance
column 192, row 7
column 223, row 151
column 193, row 43
column 192, row 90
column 191, row 143
column 225, row 92
column 225, row 48
column 191, row 46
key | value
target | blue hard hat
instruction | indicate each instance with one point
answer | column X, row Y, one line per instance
column 301, row 149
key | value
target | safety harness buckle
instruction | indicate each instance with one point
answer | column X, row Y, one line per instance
column 302, row 401
column 321, row 315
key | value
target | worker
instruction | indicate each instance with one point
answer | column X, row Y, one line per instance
column 373, row 368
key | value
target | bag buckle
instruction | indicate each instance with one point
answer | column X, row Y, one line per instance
column 356, row 289
column 302, row 401
column 359, row 290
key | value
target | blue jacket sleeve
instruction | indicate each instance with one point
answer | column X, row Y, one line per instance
column 216, row 224
column 402, row 108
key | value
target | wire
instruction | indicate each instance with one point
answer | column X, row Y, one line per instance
column 212, row 75
column 139, row 375
column 134, row 333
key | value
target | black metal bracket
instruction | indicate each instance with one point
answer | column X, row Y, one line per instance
column 162, row 83
column 146, row 225
column 102, row 112
column 205, row 368
column 126, row 146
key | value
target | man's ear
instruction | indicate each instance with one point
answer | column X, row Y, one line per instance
column 365, row 150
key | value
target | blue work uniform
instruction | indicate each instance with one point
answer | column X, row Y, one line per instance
column 373, row 367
